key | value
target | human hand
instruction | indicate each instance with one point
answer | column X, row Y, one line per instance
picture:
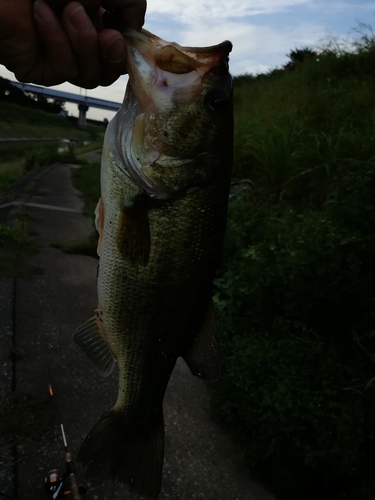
column 52, row 41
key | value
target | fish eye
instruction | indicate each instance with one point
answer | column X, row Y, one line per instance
column 216, row 100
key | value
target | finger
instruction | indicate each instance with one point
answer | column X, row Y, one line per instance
column 97, row 19
column 131, row 12
column 91, row 6
column 84, row 41
column 113, row 51
column 58, row 63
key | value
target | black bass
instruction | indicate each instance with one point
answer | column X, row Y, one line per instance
column 165, row 179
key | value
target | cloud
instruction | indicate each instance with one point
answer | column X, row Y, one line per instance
column 256, row 48
column 188, row 11
column 340, row 6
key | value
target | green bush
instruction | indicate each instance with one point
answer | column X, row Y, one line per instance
column 295, row 295
column 39, row 157
column 296, row 309
column 87, row 180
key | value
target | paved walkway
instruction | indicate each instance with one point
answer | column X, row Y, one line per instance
column 200, row 460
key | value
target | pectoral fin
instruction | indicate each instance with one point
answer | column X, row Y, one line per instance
column 203, row 356
column 133, row 234
column 90, row 337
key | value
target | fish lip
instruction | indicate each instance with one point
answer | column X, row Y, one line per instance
column 226, row 45
column 161, row 52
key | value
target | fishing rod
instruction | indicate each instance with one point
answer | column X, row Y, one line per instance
column 54, row 484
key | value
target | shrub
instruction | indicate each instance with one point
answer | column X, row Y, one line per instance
column 39, row 157
column 295, row 296
column 296, row 305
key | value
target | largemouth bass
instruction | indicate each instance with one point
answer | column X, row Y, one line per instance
column 165, row 179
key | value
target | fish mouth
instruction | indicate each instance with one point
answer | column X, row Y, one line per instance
column 178, row 59
column 162, row 76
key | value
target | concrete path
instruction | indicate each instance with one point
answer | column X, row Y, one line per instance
column 201, row 462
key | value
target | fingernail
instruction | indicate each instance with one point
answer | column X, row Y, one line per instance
column 80, row 20
column 115, row 50
column 43, row 12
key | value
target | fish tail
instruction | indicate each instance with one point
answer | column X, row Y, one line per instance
column 132, row 454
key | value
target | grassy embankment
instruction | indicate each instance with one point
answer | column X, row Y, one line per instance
column 17, row 158
column 295, row 294
column 17, row 121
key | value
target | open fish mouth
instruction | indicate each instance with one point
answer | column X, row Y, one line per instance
column 158, row 68
column 168, row 86
column 172, row 57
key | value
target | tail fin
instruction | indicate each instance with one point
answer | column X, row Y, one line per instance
column 132, row 454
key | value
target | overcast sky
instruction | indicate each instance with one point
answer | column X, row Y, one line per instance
column 262, row 32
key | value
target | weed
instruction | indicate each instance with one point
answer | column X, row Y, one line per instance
column 9, row 172
column 295, row 292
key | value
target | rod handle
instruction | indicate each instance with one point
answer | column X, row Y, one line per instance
column 72, row 478
column 74, row 488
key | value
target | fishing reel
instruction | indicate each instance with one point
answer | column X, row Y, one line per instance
column 54, row 485
column 57, row 487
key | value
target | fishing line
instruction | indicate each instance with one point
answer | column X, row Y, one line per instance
column 53, row 483
column 56, row 405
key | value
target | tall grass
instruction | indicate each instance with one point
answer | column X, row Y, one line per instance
column 17, row 121
column 18, row 157
column 298, row 120
column 9, row 172
column 87, row 179
column 295, row 295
